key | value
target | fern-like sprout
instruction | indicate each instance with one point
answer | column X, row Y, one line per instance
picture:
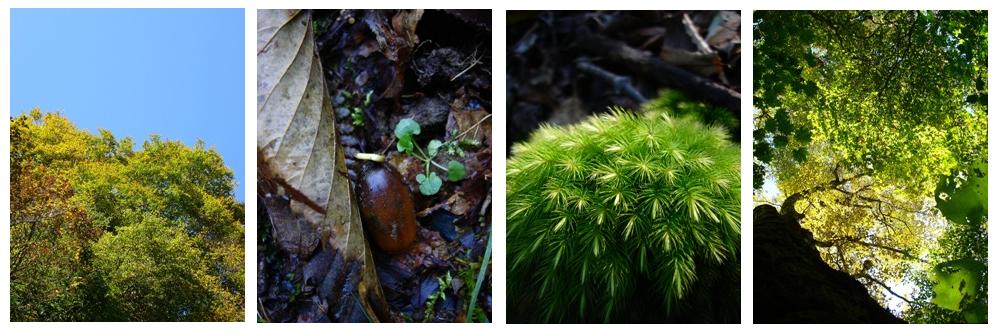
column 622, row 202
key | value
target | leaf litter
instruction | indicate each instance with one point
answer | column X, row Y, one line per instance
column 378, row 67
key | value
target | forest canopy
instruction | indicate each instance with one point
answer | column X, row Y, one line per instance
column 102, row 231
column 871, row 126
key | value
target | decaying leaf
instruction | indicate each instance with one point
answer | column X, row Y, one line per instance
column 469, row 120
column 293, row 234
column 297, row 142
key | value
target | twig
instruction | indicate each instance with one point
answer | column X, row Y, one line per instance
column 475, row 126
column 486, row 205
column 835, row 241
column 694, row 86
column 621, row 83
column 887, row 288
column 696, row 38
column 475, row 61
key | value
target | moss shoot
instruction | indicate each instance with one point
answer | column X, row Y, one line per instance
column 618, row 212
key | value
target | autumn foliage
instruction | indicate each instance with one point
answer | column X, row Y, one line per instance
column 101, row 231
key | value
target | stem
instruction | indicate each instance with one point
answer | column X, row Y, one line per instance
column 438, row 165
column 370, row 157
column 479, row 280
column 475, row 61
column 422, row 156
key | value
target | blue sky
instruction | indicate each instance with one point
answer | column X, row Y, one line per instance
column 178, row 73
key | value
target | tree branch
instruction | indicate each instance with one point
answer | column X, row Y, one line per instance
column 621, row 84
column 788, row 205
column 895, row 65
column 839, row 240
column 872, row 279
column 695, row 86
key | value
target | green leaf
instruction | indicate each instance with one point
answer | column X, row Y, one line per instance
column 976, row 313
column 955, row 282
column 405, row 130
column 811, row 89
column 803, row 135
column 456, row 171
column 763, row 152
column 964, row 200
column 407, row 126
column 770, row 125
column 357, row 117
column 405, row 144
column 800, row 154
column 758, row 176
column 783, row 122
column 780, row 141
column 433, row 146
column 430, row 184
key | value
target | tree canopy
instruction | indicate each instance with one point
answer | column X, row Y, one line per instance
column 873, row 127
column 103, row 232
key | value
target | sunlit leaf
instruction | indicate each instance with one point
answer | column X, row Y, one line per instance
column 964, row 200
column 956, row 282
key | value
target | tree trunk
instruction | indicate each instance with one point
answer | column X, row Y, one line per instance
column 792, row 284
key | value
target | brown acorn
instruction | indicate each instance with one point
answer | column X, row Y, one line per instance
column 386, row 208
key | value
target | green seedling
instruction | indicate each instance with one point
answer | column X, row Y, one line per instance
column 429, row 181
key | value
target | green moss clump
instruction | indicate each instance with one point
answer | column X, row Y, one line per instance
column 611, row 218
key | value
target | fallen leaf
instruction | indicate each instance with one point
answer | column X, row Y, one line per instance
column 297, row 141
column 458, row 204
column 469, row 120
column 405, row 22
column 294, row 235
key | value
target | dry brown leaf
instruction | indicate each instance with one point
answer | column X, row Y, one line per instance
column 297, row 141
column 405, row 22
column 469, row 124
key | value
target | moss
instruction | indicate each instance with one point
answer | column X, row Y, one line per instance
column 620, row 209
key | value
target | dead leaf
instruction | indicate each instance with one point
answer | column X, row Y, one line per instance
column 469, row 120
column 405, row 22
column 297, row 141
column 458, row 204
column 396, row 40
column 294, row 235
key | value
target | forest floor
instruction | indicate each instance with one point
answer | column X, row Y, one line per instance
column 432, row 67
